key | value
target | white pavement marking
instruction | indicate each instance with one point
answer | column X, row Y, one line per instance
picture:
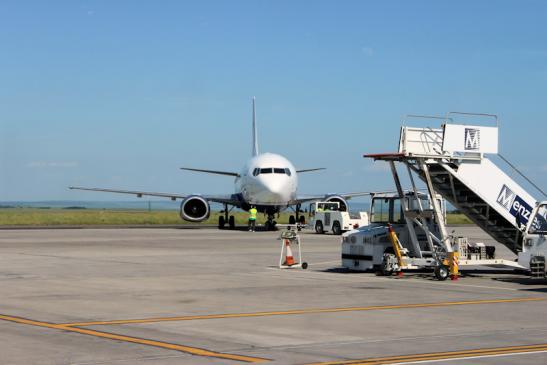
column 467, row 358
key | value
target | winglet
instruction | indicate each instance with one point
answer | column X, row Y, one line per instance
column 255, row 137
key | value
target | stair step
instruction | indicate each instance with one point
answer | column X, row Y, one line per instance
column 471, row 204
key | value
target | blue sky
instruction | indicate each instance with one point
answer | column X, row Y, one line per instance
column 122, row 93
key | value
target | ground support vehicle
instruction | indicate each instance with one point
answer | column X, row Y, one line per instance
column 329, row 217
column 371, row 247
column 452, row 162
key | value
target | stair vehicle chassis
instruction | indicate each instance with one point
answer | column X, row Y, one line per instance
column 370, row 248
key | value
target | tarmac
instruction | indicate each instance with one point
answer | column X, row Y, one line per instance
column 205, row 296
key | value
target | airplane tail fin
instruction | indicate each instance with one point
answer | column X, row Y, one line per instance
column 255, row 137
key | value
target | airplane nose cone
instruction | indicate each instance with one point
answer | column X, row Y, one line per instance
column 278, row 189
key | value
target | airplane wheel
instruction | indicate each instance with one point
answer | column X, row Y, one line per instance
column 304, row 265
column 441, row 272
column 336, row 229
column 221, row 222
column 319, row 227
column 292, row 220
column 302, row 219
column 232, row 222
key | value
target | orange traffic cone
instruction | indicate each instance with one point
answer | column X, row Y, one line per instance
column 289, row 259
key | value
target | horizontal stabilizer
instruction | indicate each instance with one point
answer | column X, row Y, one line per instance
column 309, row 170
column 212, row 171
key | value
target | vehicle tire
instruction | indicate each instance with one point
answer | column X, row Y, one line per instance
column 304, row 265
column 441, row 272
column 377, row 269
column 221, row 222
column 336, row 229
column 387, row 268
column 292, row 220
column 319, row 227
column 232, row 222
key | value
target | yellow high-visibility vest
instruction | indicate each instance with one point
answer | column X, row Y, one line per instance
column 252, row 214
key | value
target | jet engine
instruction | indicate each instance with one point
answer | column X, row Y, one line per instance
column 194, row 209
column 338, row 199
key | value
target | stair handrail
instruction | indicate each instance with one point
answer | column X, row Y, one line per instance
column 494, row 116
column 522, row 175
column 425, row 116
column 419, row 116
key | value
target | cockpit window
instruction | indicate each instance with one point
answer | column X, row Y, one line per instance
column 271, row 170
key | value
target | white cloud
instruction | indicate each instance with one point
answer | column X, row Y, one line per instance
column 367, row 51
column 52, row 164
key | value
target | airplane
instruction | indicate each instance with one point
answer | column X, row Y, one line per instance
column 268, row 181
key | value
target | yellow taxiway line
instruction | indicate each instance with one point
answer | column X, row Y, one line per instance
column 297, row 311
column 76, row 327
column 438, row 356
column 111, row 336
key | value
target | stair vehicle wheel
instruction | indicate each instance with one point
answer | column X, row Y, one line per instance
column 441, row 272
column 232, row 222
column 388, row 263
column 336, row 229
column 292, row 220
column 221, row 222
column 319, row 227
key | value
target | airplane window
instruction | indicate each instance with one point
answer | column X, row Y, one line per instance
column 288, row 172
column 279, row 171
column 266, row 171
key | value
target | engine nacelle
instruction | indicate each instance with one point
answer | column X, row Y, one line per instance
column 338, row 199
column 194, row 209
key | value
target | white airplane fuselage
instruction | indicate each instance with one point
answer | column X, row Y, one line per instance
column 268, row 181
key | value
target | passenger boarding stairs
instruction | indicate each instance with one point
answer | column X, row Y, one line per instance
column 453, row 158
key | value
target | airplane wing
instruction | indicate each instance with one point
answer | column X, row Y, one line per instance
column 212, row 171
column 309, row 170
column 139, row 194
column 224, row 199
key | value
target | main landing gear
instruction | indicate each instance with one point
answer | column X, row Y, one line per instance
column 223, row 219
column 301, row 219
column 270, row 223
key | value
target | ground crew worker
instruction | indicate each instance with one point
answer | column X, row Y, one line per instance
column 252, row 218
